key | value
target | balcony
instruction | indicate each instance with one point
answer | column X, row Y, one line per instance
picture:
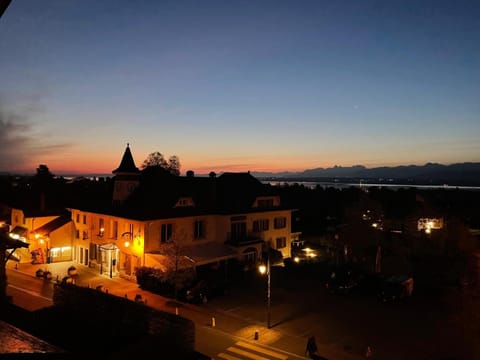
column 244, row 239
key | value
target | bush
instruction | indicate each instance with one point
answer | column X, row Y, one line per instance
column 163, row 283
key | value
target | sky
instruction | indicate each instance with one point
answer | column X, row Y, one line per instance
column 247, row 85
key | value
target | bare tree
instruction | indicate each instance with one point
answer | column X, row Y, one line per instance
column 174, row 165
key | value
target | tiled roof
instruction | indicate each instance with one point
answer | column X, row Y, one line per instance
column 53, row 225
column 159, row 191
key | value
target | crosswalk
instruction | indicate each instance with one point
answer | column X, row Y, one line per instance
column 242, row 350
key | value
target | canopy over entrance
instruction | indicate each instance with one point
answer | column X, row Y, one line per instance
column 209, row 253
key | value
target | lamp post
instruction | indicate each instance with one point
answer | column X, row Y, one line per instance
column 266, row 269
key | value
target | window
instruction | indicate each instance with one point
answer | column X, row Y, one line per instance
column 84, row 235
column 77, row 234
column 199, row 229
column 263, row 203
column 280, row 222
column 77, row 218
column 166, row 234
column 114, row 229
column 238, row 231
column 281, row 242
column 260, row 225
column 16, row 219
column 84, row 219
column 101, row 226
column 184, row 201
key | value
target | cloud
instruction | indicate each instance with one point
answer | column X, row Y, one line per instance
column 22, row 146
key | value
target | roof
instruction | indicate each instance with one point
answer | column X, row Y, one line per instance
column 210, row 252
column 127, row 165
column 17, row 341
column 20, row 231
column 53, row 225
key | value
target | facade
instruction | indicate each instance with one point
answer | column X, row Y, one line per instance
column 49, row 235
column 160, row 220
column 153, row 218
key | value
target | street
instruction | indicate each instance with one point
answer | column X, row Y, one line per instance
column 426, row 326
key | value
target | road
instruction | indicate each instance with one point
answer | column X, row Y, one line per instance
column 33, row 294
column 427, row 326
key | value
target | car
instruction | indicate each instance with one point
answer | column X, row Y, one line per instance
column 205, row 289
column 342, row 281
column 395, row 288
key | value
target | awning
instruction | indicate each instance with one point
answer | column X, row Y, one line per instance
column 210, row 252
column 108, row 247
column 19, row 233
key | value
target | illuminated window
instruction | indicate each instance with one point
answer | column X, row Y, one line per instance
column 101, row 226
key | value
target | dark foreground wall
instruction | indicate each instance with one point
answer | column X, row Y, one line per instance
column 87, row 322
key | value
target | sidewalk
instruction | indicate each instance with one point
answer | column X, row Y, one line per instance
column 227, row 323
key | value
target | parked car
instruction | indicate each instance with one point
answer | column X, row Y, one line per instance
column 395, row 288
column 204, row 289
column 342, row 281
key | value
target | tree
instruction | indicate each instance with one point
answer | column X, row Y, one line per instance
column 156, row 159
column 174, row 165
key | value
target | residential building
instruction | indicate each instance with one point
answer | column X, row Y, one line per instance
column 161, row 220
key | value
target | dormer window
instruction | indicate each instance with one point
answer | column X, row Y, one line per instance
column 185, row 202
column 266, row 202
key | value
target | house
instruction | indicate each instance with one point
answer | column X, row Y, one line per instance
column 161, row 220
column 49, row 234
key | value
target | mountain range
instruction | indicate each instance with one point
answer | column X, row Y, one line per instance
column 467, row 173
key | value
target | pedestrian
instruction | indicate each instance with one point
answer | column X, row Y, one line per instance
column 369, row 352
column 311, row 347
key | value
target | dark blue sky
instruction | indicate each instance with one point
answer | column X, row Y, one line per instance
column 239, row 85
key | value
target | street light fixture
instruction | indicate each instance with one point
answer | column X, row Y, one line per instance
column 266, row 269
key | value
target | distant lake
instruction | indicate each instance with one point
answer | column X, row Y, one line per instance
column 344, row 185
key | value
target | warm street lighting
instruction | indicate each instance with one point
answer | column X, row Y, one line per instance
column 266, row 269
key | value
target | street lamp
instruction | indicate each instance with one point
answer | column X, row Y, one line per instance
column 266, row 269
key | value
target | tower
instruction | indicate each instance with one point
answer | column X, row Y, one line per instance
column 126, row 177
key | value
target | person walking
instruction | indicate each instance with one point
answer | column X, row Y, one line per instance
column 312, row 349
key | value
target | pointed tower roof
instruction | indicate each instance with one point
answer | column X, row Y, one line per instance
column 127, row 165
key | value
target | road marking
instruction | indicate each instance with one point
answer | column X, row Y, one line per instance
column 262, row 350
column 228, row 357
column 246, row 353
